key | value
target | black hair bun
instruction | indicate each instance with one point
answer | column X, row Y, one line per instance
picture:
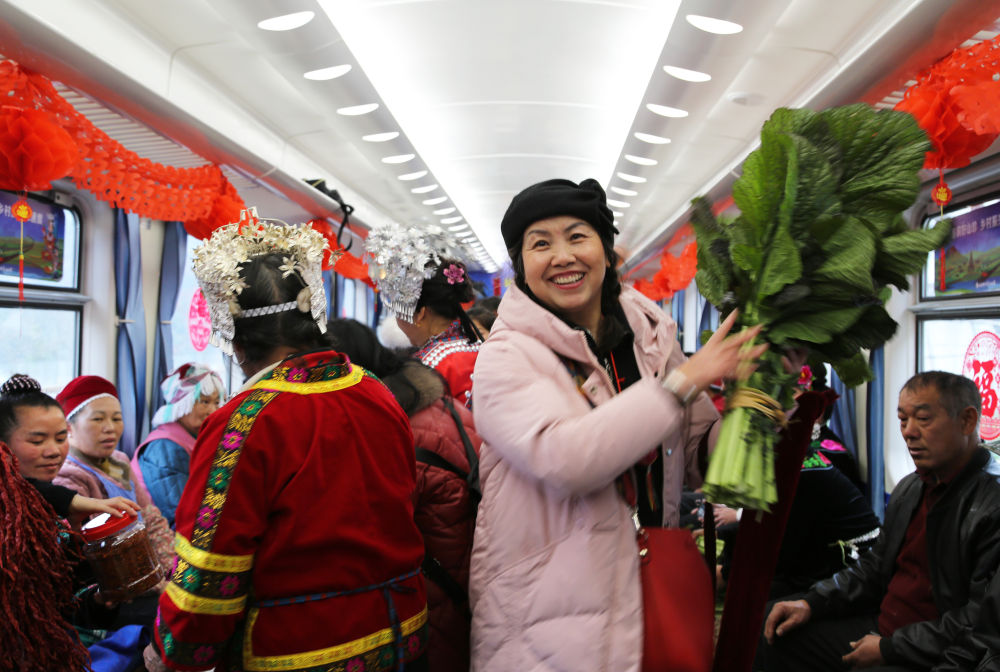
column 19, row 384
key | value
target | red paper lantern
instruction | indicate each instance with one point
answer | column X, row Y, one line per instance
column 34, row 150
column 953, row 144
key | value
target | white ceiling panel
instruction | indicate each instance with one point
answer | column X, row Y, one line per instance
column 491, row 96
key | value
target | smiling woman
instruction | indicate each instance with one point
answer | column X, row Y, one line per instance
column 580, row 394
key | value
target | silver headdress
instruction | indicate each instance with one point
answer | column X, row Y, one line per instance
column 219, row 261
column 399, row 261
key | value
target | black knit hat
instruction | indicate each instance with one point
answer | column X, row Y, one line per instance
column 553, row 198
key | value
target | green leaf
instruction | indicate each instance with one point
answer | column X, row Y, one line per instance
column 715, row 270
column 850, row 256
column 782, row 266
column 853, row 371
column 759, row 190
column 815, row 327
column 746, row 257
column 882, row 154
column 903, row 254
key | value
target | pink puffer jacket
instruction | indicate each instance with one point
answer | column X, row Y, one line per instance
column 554, row 581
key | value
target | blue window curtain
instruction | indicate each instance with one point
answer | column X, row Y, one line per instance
column 709, row 321
column 374, row 308
column 131, row 319
column 844, row 419
column 171, row 271
column 876, row 434
column 329, row 287
column 677, row 312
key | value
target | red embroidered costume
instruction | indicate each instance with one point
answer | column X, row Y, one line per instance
column 296, row 548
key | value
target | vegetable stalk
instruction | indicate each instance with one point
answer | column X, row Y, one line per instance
column 819, row 240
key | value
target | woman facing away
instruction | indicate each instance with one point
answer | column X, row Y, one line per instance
column 445, row 508
column 588, row 409
column 426, row 291
column 95, row 467
column 161, row 462
column 296, row 544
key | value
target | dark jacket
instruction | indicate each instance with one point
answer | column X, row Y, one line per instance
column 444, row 512
column 963, row 546
column 980, row 650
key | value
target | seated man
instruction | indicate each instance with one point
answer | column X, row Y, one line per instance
column 912, row 595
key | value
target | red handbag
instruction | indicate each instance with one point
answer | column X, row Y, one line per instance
column 678, row 604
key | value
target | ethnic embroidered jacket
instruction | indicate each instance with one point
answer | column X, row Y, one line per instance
column 296, row 545
column 452, row 355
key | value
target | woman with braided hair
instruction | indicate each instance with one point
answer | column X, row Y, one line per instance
column 36, row 570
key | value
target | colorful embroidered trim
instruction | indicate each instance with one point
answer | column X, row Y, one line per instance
column 195, row 604
column 191, row 654
column 436, row 355
column 205, row 583
column 306, row 387
column 215, row 562
column 226, row 457
column 373, row 652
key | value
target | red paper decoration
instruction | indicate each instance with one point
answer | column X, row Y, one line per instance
column 34, row 150
column 674, row 275
column 225, row 209
column 110, row 171
column 957, row 102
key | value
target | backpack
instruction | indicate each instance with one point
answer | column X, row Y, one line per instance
column 431, row 567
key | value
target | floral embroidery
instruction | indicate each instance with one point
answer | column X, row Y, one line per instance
column 203, row 654
column 219, row 477
column 413, row 645
column 207, row 583
column 226, row 457
column 190, row 579
column 297, row 375
column 206, row 517
column 229, row 585
column 231, row 440
column 355, row 665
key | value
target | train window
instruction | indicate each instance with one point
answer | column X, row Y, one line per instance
column 969, row 265
column 969, row 346
column 51, row 244
column 35, row 343
column 190, row 327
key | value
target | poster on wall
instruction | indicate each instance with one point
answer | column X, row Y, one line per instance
column 44, row 242
column 969, row 265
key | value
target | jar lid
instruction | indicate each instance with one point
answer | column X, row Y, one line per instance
column 105, row 525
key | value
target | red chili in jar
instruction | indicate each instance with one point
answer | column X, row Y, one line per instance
column 121, row 556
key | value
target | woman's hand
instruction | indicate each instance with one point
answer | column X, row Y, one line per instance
column 724, row 356
column 82, row 507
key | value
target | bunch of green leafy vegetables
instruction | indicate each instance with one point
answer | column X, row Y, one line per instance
column 819, row 239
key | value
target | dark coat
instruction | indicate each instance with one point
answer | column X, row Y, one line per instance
column 963, row 545
column 444, row 512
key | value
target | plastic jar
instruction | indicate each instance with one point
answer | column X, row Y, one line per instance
column 120, row 554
